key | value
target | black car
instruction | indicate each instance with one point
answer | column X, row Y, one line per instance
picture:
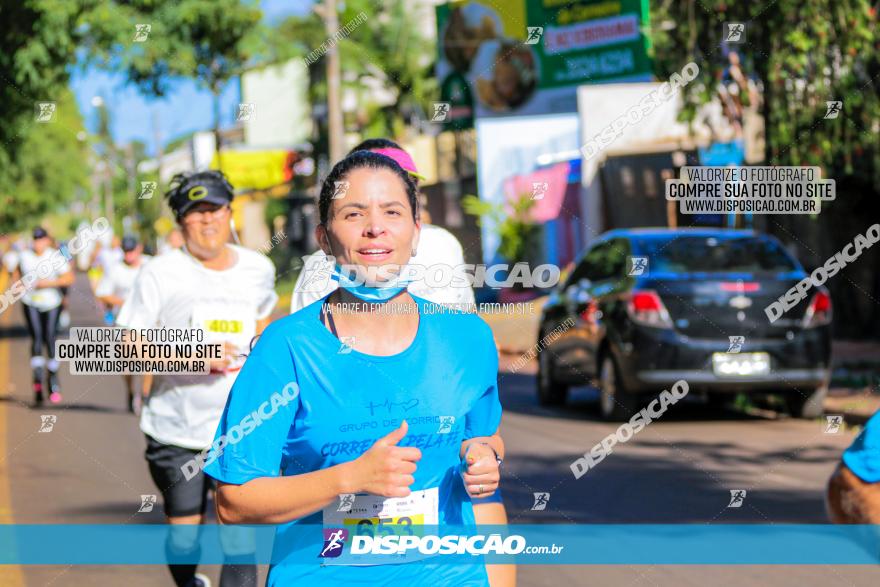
column 644, row 308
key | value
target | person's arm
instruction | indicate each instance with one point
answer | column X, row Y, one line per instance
column 95, row 252
column 262, row 324
column 268, row 298
column 483, row 445
column 385, row 469
column 483, row 474
column 495, row 442
column 65, row 280
column 146, row 384
column 112, row 300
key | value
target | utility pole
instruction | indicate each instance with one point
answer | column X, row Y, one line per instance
column 157, row 137
column 109, row 209
column 334, row 86
column 109, row 156
column 131, row 171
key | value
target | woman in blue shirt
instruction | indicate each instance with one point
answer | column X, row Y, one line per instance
column 357, row 410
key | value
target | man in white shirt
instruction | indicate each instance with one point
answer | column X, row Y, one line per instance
column 228, row 292
column 108, row 256
column 115, row 287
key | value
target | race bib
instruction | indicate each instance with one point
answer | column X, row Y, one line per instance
column 40, row 296
column 376, row 516
column 226, row 322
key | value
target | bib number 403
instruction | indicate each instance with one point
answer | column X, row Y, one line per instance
column 224, row 326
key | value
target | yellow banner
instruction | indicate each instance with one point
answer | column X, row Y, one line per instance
column 256, row 170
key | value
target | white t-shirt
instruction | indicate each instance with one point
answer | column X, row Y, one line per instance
column 119, row 280
column 436, row 245
column 107, row 258
column 175, row 290
column 50, row 265
column 10, row 260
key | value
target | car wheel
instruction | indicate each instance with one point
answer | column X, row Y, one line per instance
column 615, row 403
column 550, row 391
column 809, row 404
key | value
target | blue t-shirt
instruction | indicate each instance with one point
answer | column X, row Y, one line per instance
column 863, row 455
column 443, row 384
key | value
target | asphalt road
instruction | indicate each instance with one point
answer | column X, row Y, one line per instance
column 680, row 469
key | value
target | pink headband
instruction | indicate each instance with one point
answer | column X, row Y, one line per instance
column 403, row 159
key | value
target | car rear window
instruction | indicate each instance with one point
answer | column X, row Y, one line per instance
column 716, row 255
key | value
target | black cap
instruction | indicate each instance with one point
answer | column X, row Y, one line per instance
column 40, row 232
column 129, row 243
column 189, row 189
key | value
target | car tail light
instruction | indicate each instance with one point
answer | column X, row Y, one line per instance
column 819, row 311
column 590, row 314
column 740, row 286
column 646, row 308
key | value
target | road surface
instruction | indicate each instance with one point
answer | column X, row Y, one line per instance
column 680, row 469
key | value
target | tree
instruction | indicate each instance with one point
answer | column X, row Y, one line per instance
column 49, row 170
column 210, row 42
column 385, row 45
column 518, row 235
column 41, row 164
column 805, row 53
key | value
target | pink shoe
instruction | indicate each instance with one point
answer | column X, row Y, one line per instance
column 55, row 397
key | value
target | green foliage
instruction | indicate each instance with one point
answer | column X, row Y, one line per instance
column 805, row 52
column 41, row 165
column 49, row 169
column 210, row 42
column 388, row 46
column 513, row 225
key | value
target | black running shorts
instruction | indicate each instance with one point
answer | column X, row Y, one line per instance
column 181, row 497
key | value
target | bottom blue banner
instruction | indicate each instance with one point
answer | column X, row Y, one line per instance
column 294, row 544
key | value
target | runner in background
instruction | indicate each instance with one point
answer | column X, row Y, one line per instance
column 42, row 308
column 227, row 291
column 11, row 253
column 87, row 251
column 172, row 242
column 64, row 316
column 115, row 287
column 105, row 257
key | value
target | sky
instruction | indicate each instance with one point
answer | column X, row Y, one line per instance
column 186, row 109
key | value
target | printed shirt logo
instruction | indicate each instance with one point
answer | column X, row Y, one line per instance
column 334, row 539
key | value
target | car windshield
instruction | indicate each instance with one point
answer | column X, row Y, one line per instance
column 707, row 254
